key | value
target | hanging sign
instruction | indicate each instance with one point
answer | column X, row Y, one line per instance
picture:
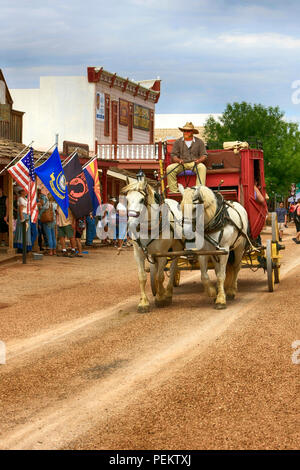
column 100, row 106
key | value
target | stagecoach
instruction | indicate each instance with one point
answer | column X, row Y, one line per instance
column 232, row 173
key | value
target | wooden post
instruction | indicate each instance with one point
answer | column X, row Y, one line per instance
column 104, row 185
column 24, row 241
column 10, row 195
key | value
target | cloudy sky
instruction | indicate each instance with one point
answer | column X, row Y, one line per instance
column 207, row 52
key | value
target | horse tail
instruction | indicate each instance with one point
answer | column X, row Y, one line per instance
column 229, row 270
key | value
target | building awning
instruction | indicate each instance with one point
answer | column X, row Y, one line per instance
column 9, row 150
column 122, row 175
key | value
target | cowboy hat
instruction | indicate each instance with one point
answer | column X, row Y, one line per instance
column 189, row 126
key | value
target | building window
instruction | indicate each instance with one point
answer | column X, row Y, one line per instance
column 107, row 115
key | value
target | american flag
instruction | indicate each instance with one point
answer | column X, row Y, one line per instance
column 23, row 173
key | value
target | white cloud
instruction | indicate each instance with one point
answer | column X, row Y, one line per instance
column 263, row 40
column 207, row 52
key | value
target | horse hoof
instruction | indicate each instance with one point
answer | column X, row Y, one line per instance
column 220, row 306
column 161, row 303
column 230, row 296
column 168, row 301
column 143, row 309
column 212, row 293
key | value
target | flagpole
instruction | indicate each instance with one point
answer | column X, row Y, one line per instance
column 44, row 154
column 90, row 161
column 10, row 163
column 70, row 157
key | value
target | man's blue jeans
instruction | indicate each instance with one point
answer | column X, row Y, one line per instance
column 50, row 234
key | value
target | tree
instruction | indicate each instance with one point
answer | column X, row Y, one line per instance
column 280, row 139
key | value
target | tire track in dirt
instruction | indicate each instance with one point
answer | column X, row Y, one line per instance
column 58, row 425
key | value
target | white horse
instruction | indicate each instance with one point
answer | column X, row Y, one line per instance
column 140, row 197
column 233, row 240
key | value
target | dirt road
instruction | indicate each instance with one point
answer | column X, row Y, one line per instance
column 84, row 370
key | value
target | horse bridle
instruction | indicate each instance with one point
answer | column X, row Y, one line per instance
column 136, row 214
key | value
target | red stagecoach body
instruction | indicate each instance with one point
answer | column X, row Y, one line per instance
column 239, row 172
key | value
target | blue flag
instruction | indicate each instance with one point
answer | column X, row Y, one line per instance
column 52, row 175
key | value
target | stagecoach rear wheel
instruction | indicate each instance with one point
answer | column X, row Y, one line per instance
column 153, row 271
column 270, row 270
column 176, row 281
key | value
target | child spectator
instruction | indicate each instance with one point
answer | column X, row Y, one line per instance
column 79, row 228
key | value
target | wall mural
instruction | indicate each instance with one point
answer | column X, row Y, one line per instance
column 123, row 110
column 141, row 117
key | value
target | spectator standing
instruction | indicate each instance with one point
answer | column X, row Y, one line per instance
column 90, row 230
column 291, row 211
column 107, row 220
column 43, row 205
column 3, row 217
column 122, row 222
column 281, row 218
column 22, row 216
column 42, row 238
column 112, row 219
column 49, row 227
column 297, row 222
column 79, row 228
column 15, row 210
column 66, row 230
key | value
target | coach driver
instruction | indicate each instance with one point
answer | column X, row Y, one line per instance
column 189, row 151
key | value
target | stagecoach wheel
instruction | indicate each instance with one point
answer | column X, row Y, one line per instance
column 153, row 271
column 270, row 270
column 275, row 231
column 176, row 278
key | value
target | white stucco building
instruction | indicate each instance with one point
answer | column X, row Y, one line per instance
column 100, row 107
column 166, row 125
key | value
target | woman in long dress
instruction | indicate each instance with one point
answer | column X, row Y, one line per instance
column 22, row 216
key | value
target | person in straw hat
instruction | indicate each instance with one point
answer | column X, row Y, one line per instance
column 188, row 152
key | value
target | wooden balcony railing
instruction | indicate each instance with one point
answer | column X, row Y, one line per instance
column 12, row 129
column 129, row 151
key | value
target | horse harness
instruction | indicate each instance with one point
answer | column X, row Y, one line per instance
column 220, row 220
column 216, row 224
column 144, row 248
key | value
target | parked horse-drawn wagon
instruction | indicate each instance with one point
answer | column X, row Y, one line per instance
column 234, row 214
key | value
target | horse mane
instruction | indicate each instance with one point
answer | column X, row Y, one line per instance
column 140, row 186
column 187, row 197
column 210, row 204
